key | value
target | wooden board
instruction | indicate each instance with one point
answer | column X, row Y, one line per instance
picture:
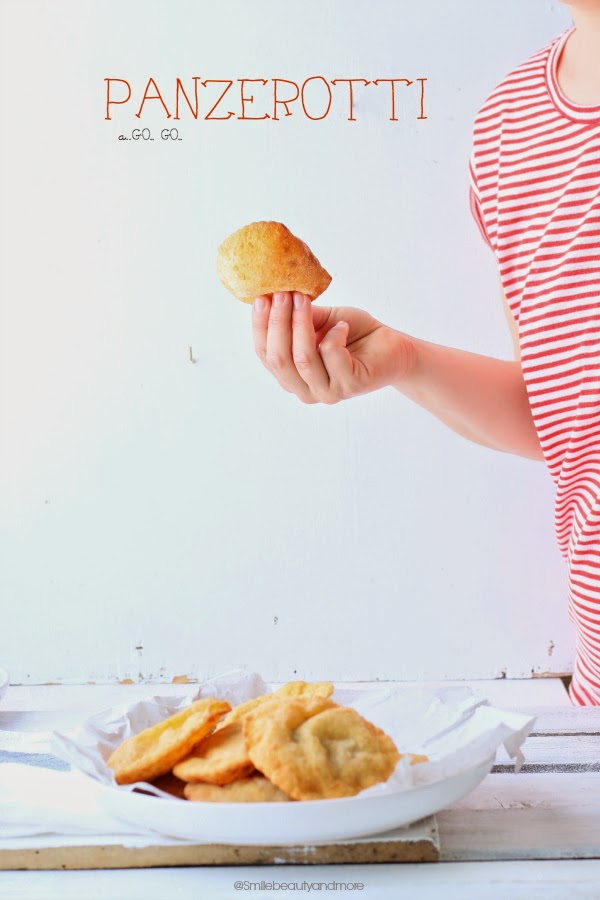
column 558, row 720
column 538, row 880
column 555, row 753
column 543, row 880
column 417, row 843
column 517, row 817
column 76, row 701
column 550, row 811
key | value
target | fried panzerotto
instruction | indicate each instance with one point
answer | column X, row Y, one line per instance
column 242, row 709
column 290, row 690
column 332, row 752
column 264, row 257
column 154, row 751
column 170, row 785
column 299, row 708
column 219, row 759
column 256, row 789
column 305, row 689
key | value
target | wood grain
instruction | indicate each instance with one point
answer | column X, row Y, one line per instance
column 559, row 720
column 416, row 843
column 535, row 816
column 555, row 753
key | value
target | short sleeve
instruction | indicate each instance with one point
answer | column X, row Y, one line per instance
column 475, row 204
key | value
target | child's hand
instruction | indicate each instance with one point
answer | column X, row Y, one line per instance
column 319, row 360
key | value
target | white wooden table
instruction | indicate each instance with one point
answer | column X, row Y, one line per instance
column 536, row 834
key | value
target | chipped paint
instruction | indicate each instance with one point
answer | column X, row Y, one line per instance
column 551, row 674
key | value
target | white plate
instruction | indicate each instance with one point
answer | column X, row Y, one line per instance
column 290, row 823
column 4, row 680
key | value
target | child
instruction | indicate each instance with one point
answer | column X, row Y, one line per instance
column 535, row 194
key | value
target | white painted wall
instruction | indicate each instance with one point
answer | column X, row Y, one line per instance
column 198, row 511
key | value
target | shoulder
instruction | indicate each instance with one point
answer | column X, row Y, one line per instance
column 521, row 85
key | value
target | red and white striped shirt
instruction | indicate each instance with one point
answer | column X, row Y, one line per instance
column 535, row 193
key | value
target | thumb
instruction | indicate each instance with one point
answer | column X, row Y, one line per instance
column 338, row 335
column 336, row 358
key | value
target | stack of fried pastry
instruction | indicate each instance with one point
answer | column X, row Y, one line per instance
column 292, row 744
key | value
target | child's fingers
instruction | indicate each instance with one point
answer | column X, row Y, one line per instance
column 260, row 319
column 337, row 361
column 304, row 348
column 286, row 342
column 279, row 359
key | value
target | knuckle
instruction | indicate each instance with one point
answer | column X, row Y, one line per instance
column 342, row 391
column 261, row 353
column 301, row 359
column 274, row 360
column 338, row 391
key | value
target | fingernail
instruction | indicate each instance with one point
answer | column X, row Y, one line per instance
column 259, row 304
column 278, row 299
column 298, row 301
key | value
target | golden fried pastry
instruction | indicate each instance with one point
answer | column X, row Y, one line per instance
column 242, row 709
column 157, row 749
column 170, row 785
column 265, row 257
column 305, row 689
column 332, row 752
column 220, row 758
column 290, row 689
column 248, row 790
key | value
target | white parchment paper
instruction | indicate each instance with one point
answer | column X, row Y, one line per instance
column 453, row 728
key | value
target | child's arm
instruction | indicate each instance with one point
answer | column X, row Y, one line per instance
column 481, row 398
